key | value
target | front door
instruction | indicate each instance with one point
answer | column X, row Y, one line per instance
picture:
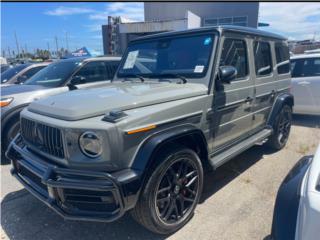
column 232, row 104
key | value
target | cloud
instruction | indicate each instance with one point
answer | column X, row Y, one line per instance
column 130, row 12
column 64, row 11
column 133, row 11
column 295, row 20
column 95, row 27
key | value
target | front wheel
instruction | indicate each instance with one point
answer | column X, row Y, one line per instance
column 172, row 192
column 281, row 128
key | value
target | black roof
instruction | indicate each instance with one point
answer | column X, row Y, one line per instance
column 231, row 28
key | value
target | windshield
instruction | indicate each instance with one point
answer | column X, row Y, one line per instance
column 186, row 56
column 54, row 75
column 11, row 72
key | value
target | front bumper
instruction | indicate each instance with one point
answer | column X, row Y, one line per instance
column 74, row 194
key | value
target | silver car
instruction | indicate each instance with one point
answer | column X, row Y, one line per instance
column 305, row 70
column 58, row 77
column 21, row 73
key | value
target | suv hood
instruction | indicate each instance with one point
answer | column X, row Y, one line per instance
column 85, row 103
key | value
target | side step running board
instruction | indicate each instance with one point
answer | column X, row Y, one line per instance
column 221, row 158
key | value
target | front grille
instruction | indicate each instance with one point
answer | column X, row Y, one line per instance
column 45, row 138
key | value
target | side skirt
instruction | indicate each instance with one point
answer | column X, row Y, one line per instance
column 221, row 158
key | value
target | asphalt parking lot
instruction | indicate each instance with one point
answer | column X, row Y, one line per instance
column 237, row 202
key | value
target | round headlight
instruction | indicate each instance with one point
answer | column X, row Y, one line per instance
column 90, row 144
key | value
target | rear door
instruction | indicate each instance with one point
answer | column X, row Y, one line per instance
column 232, row 106
column 306, row 85
column 265, row 85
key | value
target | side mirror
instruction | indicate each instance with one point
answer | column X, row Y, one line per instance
column 77, row 80
column 227, row 74
column 21, row 79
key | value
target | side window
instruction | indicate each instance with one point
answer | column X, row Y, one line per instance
column 93, row 72
column 262, row 58
column 282, row 57
column 309, row 67
column 29, row 73
column 111, row 68
column 234, row 53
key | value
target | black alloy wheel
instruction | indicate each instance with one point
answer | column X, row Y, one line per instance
column 177, row 191
column 284, row 127
column 281, row 128
column 172, row 191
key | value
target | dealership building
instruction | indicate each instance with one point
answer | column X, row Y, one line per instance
column 166, row 16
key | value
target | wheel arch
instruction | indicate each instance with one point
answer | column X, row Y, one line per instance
column 281, row 100
column 12, row 113
column 188, row 136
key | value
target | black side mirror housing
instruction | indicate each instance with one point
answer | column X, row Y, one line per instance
column 77, row 80
column 227, row 74
column 21, row 79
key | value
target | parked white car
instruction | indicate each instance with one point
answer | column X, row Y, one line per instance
column 297, row 209
column 305, row 70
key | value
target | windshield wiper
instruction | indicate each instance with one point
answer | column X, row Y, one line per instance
column 184, row 80
column 133, row 75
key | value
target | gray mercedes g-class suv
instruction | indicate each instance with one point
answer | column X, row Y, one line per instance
column 180, row 103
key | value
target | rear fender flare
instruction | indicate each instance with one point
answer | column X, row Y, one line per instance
column 281, row 100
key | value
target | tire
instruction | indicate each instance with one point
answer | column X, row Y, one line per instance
column 281, row 128
column 10, row 131
column 166, row 191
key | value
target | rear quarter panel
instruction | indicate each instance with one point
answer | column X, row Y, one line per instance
column 306, row 92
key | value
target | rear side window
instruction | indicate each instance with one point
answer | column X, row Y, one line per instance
column 234, row 53
column 308, row 67
column 111, row 68
column 282, row 57
column 262, row 58
column 32, row 71
column 93, row 72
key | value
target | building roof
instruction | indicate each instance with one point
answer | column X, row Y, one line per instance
column 247, row 30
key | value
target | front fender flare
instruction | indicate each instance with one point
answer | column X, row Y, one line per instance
column 5, row 118
column 143, row 158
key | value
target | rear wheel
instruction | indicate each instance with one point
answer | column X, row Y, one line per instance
column 281, row 128
column 171, row 193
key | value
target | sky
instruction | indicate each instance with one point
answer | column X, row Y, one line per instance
column 37, row 24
